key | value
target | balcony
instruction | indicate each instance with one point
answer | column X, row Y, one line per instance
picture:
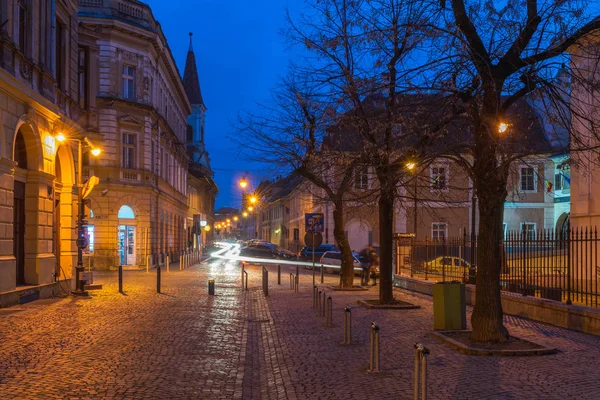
column 132, row 11
column 130, row 175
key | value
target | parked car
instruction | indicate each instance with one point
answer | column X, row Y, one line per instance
column 335, row 258
column 306, row 253
column 266, row 250
column 454, row 266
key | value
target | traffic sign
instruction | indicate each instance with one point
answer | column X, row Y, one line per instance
column 314, row 222
column 313, row 239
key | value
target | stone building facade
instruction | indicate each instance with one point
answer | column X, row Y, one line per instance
column 137, row 110
column 39, row 97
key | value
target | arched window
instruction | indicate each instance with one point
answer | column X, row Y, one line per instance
column 126, row 212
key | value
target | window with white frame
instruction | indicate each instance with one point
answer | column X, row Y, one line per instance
column 129, row 150
column 438, row 230
column 527, row 179
column 439, row 177
column 129, row 82
column 361, row 177
column 528, row 229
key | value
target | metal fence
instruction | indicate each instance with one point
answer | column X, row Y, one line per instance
column 558, row 266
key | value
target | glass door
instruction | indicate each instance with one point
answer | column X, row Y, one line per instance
column 127, row 244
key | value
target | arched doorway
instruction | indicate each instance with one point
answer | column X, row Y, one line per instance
column 562, row 226
column 63, row 232
column 126, row 236
column 20, row 156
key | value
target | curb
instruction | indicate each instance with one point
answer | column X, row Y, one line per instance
column 474, row 351
column 404, row 306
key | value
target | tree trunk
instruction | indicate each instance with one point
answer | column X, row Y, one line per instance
column 490, row 182
column 347, row 268
column 386, row 243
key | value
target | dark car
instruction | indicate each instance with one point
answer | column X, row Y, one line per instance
column 306, row 252
column 266, row 250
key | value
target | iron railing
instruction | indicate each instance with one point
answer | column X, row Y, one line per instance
column 557, row 266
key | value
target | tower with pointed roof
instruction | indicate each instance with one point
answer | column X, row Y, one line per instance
column 195, row 135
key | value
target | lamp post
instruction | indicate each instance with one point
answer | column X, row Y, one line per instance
column 81, row 240
column 411, row 166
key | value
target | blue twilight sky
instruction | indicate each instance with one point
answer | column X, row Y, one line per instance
column 240, row 55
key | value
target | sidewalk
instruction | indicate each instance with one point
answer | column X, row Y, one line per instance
column 184, row 344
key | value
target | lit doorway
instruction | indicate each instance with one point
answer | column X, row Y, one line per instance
column 126, row 236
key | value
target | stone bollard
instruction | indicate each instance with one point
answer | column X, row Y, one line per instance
column 168, row 264
column 329, row 312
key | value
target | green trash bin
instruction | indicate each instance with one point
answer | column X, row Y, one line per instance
column 449, row 309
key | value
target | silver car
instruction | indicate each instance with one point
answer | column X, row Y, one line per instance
column 335, row 258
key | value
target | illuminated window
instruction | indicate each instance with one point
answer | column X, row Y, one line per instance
column 126, row 212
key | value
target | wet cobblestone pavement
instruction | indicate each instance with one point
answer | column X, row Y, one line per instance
column 184, row 344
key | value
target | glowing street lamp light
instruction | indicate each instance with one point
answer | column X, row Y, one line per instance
column 410, row 166
column 502, row 127
column 207, row 228
column 253, row 199
column 243, row 183
column 235, row 218
column 250, row 208
column 245, row 214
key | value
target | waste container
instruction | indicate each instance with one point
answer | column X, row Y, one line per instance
column 449, row 310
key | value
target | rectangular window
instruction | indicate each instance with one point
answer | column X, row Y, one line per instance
column 361, row 177
column 438, row 178
column 438, row 231
column 129, row 151
column 528, row 230
column 82, row 77
column 558, row 182
column 296, row 234
column 129, row 82
column 527, row 183
column 60, row 55
column 23, row 28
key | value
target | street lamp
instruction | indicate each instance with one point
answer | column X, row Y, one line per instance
column 243, row 182
column 502, row 127
column 250, row 208
column 81, row 240
column 253, row 199
column 245, row 214
column 411, row 166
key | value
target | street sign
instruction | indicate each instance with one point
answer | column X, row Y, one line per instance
column 313, row 239
column 314, row 222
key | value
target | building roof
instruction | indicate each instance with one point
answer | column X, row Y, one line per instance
column 191, row 82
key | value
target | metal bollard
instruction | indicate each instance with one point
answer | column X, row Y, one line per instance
column 291, row 281
column 328, row 313
column 211, row 287
column 158, row 279
column 279, row 274
column 421, row 360
column 347, row 325
column 265, row 281
column 322, row 269
column 181, row 263
column 315, row 295
column 120, row 279
column 167, row 263
column 297, row 284
column 319, row 301
column 246, row 273
column 374, row 349
column 147, row 264
column 243, row 268
column 324, row 304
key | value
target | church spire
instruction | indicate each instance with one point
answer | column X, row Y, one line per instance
column 191, row 82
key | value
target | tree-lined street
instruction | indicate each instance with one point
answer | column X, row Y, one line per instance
column 184, row 344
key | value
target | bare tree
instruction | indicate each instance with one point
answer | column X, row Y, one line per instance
column 489, row 62
column 288, row 134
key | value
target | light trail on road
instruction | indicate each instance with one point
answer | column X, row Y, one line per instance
column 231, row 251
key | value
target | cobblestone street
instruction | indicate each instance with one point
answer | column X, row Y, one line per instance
column 185, row 344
